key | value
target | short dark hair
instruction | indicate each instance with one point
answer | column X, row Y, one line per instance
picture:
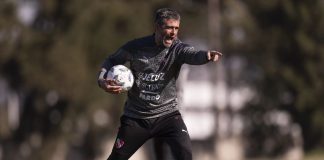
column 166, row 13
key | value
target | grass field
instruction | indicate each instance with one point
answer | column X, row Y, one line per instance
column 315, row 155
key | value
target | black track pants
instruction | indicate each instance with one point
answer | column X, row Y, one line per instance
column 133, row 133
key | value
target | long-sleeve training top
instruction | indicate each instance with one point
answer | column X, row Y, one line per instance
column 155, row 69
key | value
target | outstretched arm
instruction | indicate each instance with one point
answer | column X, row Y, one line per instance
column 214, row 55
column 190, row 55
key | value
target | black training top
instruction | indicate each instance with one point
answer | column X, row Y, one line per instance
column 155, row 69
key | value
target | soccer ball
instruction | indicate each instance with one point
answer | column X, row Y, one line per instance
column 122, row 75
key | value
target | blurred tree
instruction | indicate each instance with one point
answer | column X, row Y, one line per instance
column 292, row 45
column 285, row 38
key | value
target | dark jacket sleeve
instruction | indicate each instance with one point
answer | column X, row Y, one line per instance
column 190, row 55
column 121, row 56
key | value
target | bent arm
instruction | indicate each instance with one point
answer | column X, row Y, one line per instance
column 119, row 57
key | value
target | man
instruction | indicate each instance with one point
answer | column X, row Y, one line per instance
column 151, row 109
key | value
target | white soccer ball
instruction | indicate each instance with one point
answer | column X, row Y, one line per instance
column 122, row 75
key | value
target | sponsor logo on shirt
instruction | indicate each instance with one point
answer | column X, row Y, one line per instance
column 150, row 84
column 151, row 77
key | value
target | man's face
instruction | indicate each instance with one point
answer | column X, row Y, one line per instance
column 166, row 33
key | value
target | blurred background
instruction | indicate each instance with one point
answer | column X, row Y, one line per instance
column 264, row 100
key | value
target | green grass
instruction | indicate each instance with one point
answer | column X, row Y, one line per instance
column 315, row 155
